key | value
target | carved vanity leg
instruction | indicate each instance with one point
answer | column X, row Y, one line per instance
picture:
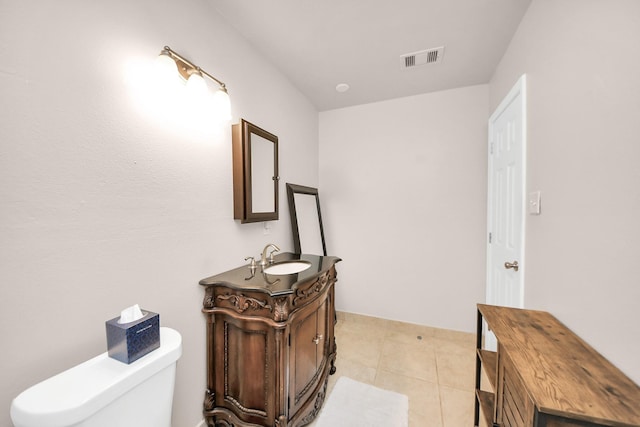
column 209, row 403
column 333, row 360
column 317, row 406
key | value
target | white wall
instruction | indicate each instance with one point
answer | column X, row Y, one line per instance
column 107, row 200
column 403, row 193
column 582, row 60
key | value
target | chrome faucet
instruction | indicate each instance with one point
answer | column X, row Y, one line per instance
column 263, row 260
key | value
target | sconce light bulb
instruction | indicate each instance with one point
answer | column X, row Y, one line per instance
column 222, row 104
column 165, row 66
column 196, row 83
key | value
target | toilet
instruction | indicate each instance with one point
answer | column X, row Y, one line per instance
column 103, row 392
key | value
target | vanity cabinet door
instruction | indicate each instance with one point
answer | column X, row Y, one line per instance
column 244, row 359
column 308, row 353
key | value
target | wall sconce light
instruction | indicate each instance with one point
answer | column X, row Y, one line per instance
column 194, row 77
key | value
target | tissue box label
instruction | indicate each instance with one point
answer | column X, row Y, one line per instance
column 128, row 342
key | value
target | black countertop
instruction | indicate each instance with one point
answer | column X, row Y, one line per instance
column 241, row 278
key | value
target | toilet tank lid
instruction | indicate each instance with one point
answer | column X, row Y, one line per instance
column 79, row 392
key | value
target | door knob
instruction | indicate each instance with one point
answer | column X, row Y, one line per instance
column 317, row 339
column 513, row 265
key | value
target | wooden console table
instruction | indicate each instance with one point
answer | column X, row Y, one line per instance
column 544, row 375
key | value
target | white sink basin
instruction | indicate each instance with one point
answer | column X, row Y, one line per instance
column 287, row 267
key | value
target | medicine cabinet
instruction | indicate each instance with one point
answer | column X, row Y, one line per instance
column 255, row 173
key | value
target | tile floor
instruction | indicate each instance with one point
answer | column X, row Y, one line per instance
column 433, row 367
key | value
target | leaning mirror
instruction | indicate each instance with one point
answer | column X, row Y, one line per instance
column 255, row 173
column 306, row 220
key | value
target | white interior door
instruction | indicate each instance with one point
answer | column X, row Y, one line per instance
column 506, row 201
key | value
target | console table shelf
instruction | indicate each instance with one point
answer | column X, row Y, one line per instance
column 544, row 375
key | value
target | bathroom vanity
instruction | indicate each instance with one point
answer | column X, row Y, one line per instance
column 270, row 343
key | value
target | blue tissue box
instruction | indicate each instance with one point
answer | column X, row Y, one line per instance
column 128, row 342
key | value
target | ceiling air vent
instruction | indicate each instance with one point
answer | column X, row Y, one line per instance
column 423, row 57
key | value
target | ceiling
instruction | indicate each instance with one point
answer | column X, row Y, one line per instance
column 319, row 44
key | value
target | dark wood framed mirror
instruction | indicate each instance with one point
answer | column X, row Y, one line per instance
column 255, row 173
column 306, row 220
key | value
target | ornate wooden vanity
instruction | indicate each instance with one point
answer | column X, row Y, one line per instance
column 270, row 344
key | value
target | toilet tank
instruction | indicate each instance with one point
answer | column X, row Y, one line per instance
column 103, row 392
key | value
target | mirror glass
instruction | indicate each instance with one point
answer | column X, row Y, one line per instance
column 306, row 220
column 255, row 173
column 262, row 197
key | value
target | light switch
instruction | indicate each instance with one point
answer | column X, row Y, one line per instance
column 534, row 203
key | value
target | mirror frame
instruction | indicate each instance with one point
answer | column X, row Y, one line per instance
column 242, row 184
column 292, row 190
